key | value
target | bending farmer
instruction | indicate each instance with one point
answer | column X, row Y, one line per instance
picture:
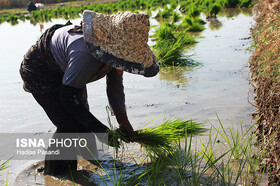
column 57, row 68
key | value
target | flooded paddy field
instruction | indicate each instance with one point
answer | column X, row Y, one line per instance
column 217, row 87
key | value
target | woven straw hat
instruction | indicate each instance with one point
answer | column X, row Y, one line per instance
column 120, row 40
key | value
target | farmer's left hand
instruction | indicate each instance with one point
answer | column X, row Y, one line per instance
column 125, row 125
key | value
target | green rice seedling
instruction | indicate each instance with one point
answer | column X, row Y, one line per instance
column 160, row 139
column 173, row 5
column 208, row 150
column 231, row 3
column 2, row 19
column 182, row 165
column 4, row 165
column 214, row 9
column 191, row 20
column 207, row 3
column 22, row 16
column 246, row 3
column 193, row 10
column 242, row 158
column 191, row 24
column 199, row 21
column 149, row 12
column 165, row 13
column 195, row 28
column 184, row 5
column 170, row 46
column 171, row 53
column 141, row 4
column 176, row 17
column 164, row 32
column 12, row 19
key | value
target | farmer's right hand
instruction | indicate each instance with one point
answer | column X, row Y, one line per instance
column 125, row 125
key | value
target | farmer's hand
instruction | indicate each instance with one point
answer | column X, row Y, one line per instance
column 125, row 125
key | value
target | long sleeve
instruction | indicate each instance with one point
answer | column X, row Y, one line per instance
column 115, row 92
column 71, row 99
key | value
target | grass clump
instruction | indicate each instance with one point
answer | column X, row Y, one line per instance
column 170, row 46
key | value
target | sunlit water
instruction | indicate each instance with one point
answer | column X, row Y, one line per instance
column 218, row 87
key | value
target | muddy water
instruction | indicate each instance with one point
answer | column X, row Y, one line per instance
column 219, row 86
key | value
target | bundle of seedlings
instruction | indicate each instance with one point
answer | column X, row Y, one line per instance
column 170, row 46
column 160, row 140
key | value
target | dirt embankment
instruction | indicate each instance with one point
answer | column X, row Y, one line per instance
column 265, row 73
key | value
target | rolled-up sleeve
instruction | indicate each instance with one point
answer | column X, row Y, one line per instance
column 115, row 92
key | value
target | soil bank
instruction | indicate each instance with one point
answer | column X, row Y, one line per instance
column 264, row 68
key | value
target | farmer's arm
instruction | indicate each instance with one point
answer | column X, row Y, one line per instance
column 79, row 69
column 116, row 97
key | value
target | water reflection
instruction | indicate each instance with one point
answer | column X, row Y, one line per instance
column 215, row 24
column 234, row 12
column 175, row 75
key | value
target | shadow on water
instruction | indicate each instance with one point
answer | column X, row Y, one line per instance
column 215, row 24
column 175, row 76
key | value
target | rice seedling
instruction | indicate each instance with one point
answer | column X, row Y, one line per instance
column 187, row 166
column 190, row 24
column 2, row 19
column 195, row 28
column 230, row 3
column 165, row 13
column 175, row 17
column 161, row 138
column 240, row 158
column 184, row 5
column 170, row 46
column 191, row 6
column 214, row 9
column 4, row 165
column 193, row 11
column 246, row 3
column 173, row 4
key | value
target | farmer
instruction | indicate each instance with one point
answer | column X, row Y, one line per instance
column 57, row 68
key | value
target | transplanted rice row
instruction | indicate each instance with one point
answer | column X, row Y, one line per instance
column 169, row 51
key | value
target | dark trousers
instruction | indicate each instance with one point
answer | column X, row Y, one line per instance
column 65, row 123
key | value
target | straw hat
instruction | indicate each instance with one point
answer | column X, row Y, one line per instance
column 120, row 40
